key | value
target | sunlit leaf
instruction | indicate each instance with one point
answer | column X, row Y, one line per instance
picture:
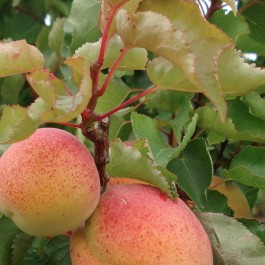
column 16, row 124
column 135, row 58
column 62, row 105
column 127, row 162
column 56, row 35
column 83, row 19
column 232, row 242
column 19, row 57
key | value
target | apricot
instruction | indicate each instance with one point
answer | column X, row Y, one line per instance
column 49, row 183
column 137, row 224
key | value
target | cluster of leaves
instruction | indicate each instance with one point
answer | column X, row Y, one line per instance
column 201, row 127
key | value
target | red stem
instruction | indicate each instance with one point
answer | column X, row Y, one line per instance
column 105, row 38
column 112, row 71
column 70, row 124
column 128, row 102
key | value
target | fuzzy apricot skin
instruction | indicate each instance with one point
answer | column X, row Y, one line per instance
column 49, row 183
column 137, row 224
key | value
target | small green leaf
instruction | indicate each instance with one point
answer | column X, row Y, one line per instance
column 115, row 94
column 194, row 170
column 128, row 162
column 61, row 105
column 135, row 58
column 16, row 124
column 232, row 242
column 146, row 127
column 19, row 57
column 21, row 244
column 58, row 251
column 8, row 231
column 256, row 105
column 84, row 22
column 187, row 137
column 56, row 35
column 11, row 88
column 248, row 167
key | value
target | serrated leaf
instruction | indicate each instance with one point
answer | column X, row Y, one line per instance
column 174, row 38
column 61, row 105
column 8, row 230
column 256, row 105
column 58, row 251
column 128, row 162
column 248, row 167
column 19, row 57
column 238, row 127
column 255, row 227
column 225, row 234
column 108, row 5
column 135, row 58
column 146, row 127
column 194, row 171
column 187, row 137
column 237, row 200
column 83, row 19
column 16, row 124
column 20, row 246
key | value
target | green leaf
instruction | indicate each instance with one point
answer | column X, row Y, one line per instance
column 28, row 29
column 181, row 39
column 255, row 227
column 21, row 244
column 216, row 203
column 19, row 57
column 232, row 4
column 238, row 127
column 61, row 105
column 8, row 231
column 256, row 105
column 254, row 15
column 128, row 162
column 232, row 243
column 194, row 170
column 115, row 94
column 84, row 21
column 135, row 58
column 146, row 127
column 234, row 26
column 11, row 88
column 248, row 167
column 16, row 124
column 58, row 251
column 187, row 137
column 56, row 35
